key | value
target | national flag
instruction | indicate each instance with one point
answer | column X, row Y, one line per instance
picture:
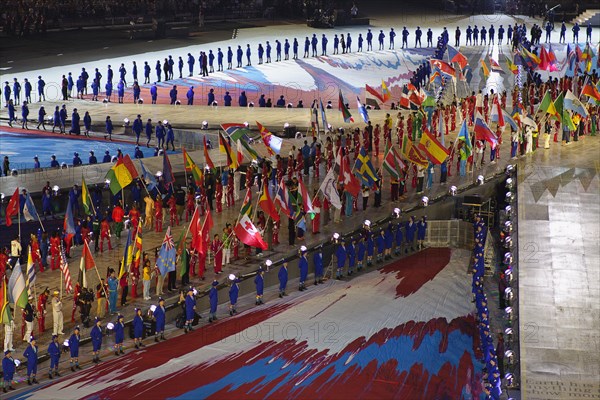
column 64, row 268
column 167, row 172
column 400, row 165
column 559, row 104
column 306, row 200
column 527, row 121
column 69, row 222
column 12, row 208
column 237, row 131
column 30, row 278
column 444, row 67
column 508, row 118
column 5, row 315
column 468, row 73
column 207, row 159
column 567, row 120
column 456, row 56
column 496, row 114
column 441, row 127
column 483, row 132
column 463, row 135
column 239, row 152
column 412, row 153
column 190, row 166
column 195, row 229
column 167, row 254
column 127, row 255
column 351, row 183
column 436, row 77
column 374, row 92
column 148, row 177
column 511, row 65
column 362, row 110
column 225, row 148
column 119, row 177
column 203, row 239
column 485, row 69
column 130, row 167
column 574, row 104
column 253, row 154
column 405, row 98
column 551, row 55
column 17, row 289
column 247, row 233
column 272, row 142
column 389, row 163
column 495, row 66
column 29, row 211
column 547, row 106
column 323, row 115
column 591, row 91
column 529, row 58
column 181, row 241
column 86, row 263
column 342, row 107
column 571, row 57
column 385, row 92
column 546, row 63
column 435, row 151
column 86, row 198
column 328, row 188
column 282, row 198
column 363, row 168
column 247, row 204
column 267, row 205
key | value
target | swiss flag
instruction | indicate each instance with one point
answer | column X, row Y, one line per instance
column 351, row 184
column 248, row 234
column 12, row 208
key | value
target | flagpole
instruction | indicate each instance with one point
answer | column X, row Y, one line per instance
column 99, row 281
column 19, row 215
column 43, row 228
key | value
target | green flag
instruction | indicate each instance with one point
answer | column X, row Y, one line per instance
column 567, row 120
column 86, row 199
column 547, row 105
column 558, row 104
column 184, row 263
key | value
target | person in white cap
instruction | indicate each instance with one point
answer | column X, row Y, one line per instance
column 57, row 314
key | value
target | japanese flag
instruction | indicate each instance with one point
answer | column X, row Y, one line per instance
column 248, row 234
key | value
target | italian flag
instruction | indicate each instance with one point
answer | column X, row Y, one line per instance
column 247, row 233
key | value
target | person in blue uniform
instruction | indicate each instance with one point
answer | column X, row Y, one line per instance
column 248, row 55
column 76, row 159
column 410, row 228
column 11, row 112
column 180, row 64
column 27, row 87
column 170, row 137
column 55, row 119
column 109, row 128
column 31, row 353
column 227, row 100
column 113, row 286
column 340, row 255
column 295, row 49
column 138, row 154
column 278, row 50
column 147, row 70
column 190, row 310
column 24, row 115
column 361, row 250
column 138, row 328
column 239, row 56
column 306, row 47
column 370, row 243
column 137, row 127
column 259, row 283
column 41, row 85
column 148, row 129
column 360, row 42
column 381, row 37
column 369, row 38
column 41, row 118
column 154, row 93
column 283, row 279
column 575, row 30
column 313, row 43
column 348, row 43
column 303, row 266
column 7, row 92
column 229, row 57
column 388, row 238
column 286, row 50
column 318, row 261
column 190, row 96
column 120, row 91
column 54, row 162
column 421, row 231
column 159, row 317
column 173, row 94
column 243, row 100
column 17, row 91
column 36, row 163
column 108, row 88
column 213, row 298
column 398, row 239
column 8, row 371
column 134, row 71
column 87, row 123
column 54, row 353
column 106, row 157
column 392, row 36
column 74, row 349
column 219, row 59
column 96, row 336
column 190, row 62
column 380, row 246
column 119, row 334
column 324, row 42
column 351, row 253
column 336, row 44
column 234, row 291
column 160, row 134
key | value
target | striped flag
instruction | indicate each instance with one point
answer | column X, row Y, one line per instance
column 86, row 199
column 485, row 69
column 225, row 148
column 5, row 315
column 30, row 279
column 64, row 268
column 17, row 286
column 342, row 107
column 29, row 212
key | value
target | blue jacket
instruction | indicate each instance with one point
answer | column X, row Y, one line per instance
column 213, row 297
column 361, row 250
column 53, row 351
column 190, row 303
column 8, row 368
column 380, row 243
column 410, row 231
column 303, row 265
column 340, row 253
column 370, row 245
column 119, row 333
column 421, row 230
column 399, row 236
column 318, row 260
column 31, row 354
column 283, row 277
column 138, row 326
column 74, row 345
column 159, row 315
column 234, row 290
column 96, row 335
column 350, row 251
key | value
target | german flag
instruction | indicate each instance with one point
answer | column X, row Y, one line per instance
column 224, row 147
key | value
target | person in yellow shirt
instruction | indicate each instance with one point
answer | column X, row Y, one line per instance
column 149, row 211
column 146, row 277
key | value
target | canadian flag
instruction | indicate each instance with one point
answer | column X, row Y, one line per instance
column 248, row 234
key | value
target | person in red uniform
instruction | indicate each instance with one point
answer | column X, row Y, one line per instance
column 451, row 157
column 76, row 293
column 409, row 127
column 318, row 156
column 86, row 229
column 230, row 199
column 54, row 251
column 3, row 262
column 173, row 218
column 299, row 163
column 290, row 167
column 41, row 310
column 276, row 231
column 316, row 222
column 117, row 216
column 104, row 234
column 158, row 213
column 279, row 166
column 219, row 195
column 134, row 218
column 217, row 250
column 376, row 134
column 36, row 257
column 193, row 261
column 190, row 204
column 201, row 265
column 453, row 117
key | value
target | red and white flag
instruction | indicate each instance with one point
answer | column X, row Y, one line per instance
column 64, row 268
column 351, row 184
column 248, row 234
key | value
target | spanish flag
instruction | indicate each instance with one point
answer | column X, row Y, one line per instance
column 224, row 147
column 267, row 205
column 436, row 152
